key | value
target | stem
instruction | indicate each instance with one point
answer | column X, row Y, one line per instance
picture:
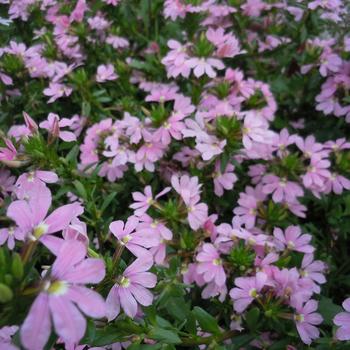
column 28, row 251
column 116, row 257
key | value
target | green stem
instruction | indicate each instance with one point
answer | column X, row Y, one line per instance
column 28, row 251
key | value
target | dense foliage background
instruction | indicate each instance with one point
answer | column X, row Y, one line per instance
column 105, row 104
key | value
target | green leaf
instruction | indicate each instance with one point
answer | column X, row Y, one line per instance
column 206, row 321
column 108, row 201
column 252, row 318
column 80, row 189
column 328, row 310
column 164, row 335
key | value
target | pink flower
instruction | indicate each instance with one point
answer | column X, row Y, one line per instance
column 10, row 234
column 131, row 289
column 62, row 291
column 154, row 227
column 9, row 152
column 317, row 173
column 210, row 265
column 128, row 236
column 6, row 182
column 187, row 187
column 162, row 94
column 105, row 72
column 314, row 270
column 330, row 62
column 289, row 285
column 79, row 11
column 310, row 147
column 204, row 65
column 224, row 180
column 343, row 321
column 144, row 201
column 293, row 239
column 227, row 44
column 282, row 189
column 248, row 290
column 248, row 205
column 30, row 216
column 256, row 130
column 6, row 334
column 176, row 61
column 336, row 183
column 197, row 214
column 30, row 123
column 57, row 90
column 305, row 319
column 53, row 124
column 210, row 146
column 117, row 42
column 29, row 182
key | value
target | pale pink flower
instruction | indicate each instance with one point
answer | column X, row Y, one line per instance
column 248, row 289
column 281, row 188
column 204, row 65
column 336, row 183
column 210, row 146
column 176, row 61
column 343, row 321
column 34, row 181
column 6, row 334
column 9, row 152
column 306, row 319
column 6, row 182
column 154, row 227
column 54, row 124
column 310, row 147
column 57, row 90
column 162, row 94
column 197, row 214
column 223, row 180
column 314, row 270
column 117, row 42
column 210, row 265
column 187, row 187
column 144, row 201
column 293, row 239
column 148, row 154
column 30, row 216
column 105, row 72
column 330, row 62
column 10, row 234
column 128, row 236
column 62, row 298
column 248, row 205
column 132, row 288
column 255, row 129
column 79, row 11
column 317, row 173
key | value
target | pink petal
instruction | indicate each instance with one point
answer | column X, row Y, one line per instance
column 141, row 294
column 71, row 253
column 20, row 213
column 36, row 329
column 113, row 304
column 88, row 271
column 59, row 219
column 128, row 302
column 69, row 323
column 90, row 302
